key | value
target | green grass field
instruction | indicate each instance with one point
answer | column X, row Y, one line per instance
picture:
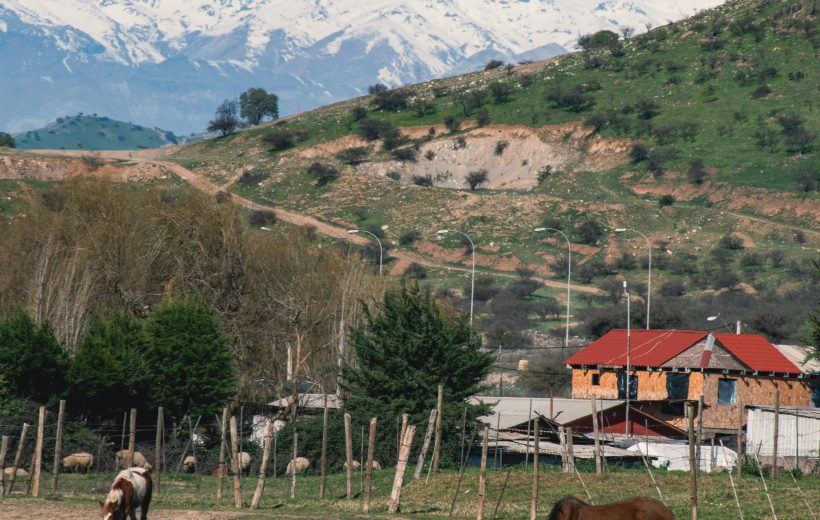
column 433, row 500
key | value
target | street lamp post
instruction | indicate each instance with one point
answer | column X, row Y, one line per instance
column 628, row 357
column 649, row 275
column 569, row 275
column 381, row 251
column 441, row 232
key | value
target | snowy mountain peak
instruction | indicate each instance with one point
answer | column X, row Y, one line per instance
column 336, row 47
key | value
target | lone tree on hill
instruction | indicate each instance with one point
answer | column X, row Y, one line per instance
column 7, row 140
column 476, row 178
column 404, row 350
column 225, row 119
column 255, row 104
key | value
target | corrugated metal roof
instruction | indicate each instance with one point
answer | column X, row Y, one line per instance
column 509, row 412
column 649, row 348
column 798, row 429
column 756, row 352
column 797, row 355
column 511, row 442
column 654, row 348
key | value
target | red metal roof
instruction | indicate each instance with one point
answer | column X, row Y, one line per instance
column 652, row 348
column 757, row 353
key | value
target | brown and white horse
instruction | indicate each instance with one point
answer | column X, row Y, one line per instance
column 131, row 489
column 635, row 508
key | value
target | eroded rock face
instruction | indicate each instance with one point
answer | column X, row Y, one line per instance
column 511, row 155
column 59, row 169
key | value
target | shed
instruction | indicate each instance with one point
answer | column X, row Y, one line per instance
column 798, row 439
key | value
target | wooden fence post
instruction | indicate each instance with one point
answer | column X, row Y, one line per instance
column 562, row 440
column 597, row 439
column 401, row 466
column 237, row 490
column 158, row 451
column 535, row 471
column 222, row 445
column 58, row 446
column 4, row 447
column 260, row 483
column 776, row 431
column 426, row 445
column 765, row 488
column 349, row 457
column 693, row 474
column 527, row 449
column 293, row 467
column 38, row 452
column 437, row 443
column 323, row 459
column 482, row 475
column 17, row 456
column 570, row 451
column 368, row 472
column 132, row 435
column 699, row 441
column 740, row 454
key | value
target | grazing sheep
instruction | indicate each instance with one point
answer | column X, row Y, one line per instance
column 300, row 463
column 20, row 472
column 78, row 462
column 189, row 464
column 357, row 465
column 244, row 462
column 139, row 460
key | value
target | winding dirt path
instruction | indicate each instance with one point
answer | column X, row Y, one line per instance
column 155, row 156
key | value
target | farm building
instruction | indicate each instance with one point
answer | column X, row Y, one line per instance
column 670, row 367
column 798, row 436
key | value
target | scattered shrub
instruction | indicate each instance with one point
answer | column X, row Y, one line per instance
column 589, row 231
column 482, row 118
column 262, row 217
column 572, row 100
column 544, row 173
column 476, row 178
column 429, row 155
column 392, row 174
column 696, row 173
column 393, row 99
column 493, row 64
column 500, row 146
column 673, row 289
column 409, row 236
column 406, row 154
column 252, row 178
column 372, row 129
column 639, row 152
column 666, row 200
column 322, row 173
column 417, row 271
column 452, row 123
column 501, row 92
column 353, row 156
column 423, row 180
column 358, row 113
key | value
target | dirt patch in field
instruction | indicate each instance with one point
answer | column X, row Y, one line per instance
column 511, row 155
column 333, row 147
column 47, row 169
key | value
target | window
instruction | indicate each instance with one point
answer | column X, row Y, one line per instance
column 633, row 385
column 677, row 385
column 727, row 392
column 596, row 379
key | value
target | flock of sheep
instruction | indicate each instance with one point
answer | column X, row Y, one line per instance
column 82, row 463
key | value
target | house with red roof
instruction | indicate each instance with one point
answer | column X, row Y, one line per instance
column 670, row 367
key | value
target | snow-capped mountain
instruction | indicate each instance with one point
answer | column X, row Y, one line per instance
column 170, row 62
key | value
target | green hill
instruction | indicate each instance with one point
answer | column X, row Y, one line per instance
column 702, row 135
column 91, row 132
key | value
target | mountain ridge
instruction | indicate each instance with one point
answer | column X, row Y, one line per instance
column 170, row 63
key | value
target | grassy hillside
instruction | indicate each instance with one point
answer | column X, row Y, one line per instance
column 91, row 132
column 702, row 135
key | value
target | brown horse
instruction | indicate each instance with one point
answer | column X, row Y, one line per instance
column 635, row 508
column 131, row 489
